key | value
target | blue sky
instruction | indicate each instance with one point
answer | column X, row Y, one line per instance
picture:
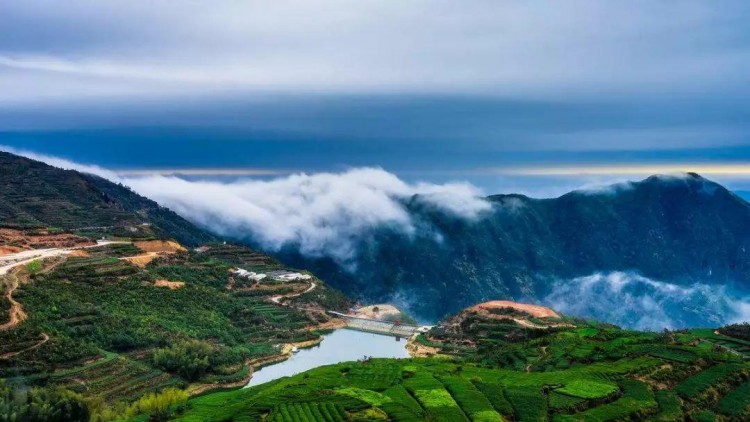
column 510, row 96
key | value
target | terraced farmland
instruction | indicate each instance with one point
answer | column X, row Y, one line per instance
column 628, row 376
column 115, row 378
column 100, row 326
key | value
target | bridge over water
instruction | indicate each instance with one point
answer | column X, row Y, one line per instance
column 376, row 326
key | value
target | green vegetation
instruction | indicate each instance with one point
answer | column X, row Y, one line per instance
column 39, row 405
column 587, row 389
column 34, row 267
column 35, row 195
column 99, row 327
column 700, row 382
column 738, row 331
column 586, row 372
column 736, row 403
column 669, row 406
column 476, row 406
column 636, row 403
column 108, row 340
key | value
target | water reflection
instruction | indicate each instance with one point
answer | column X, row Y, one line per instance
column 340, row 346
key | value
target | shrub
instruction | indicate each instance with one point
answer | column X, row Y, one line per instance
column 189, row 359
column 160, row 406
column 42, row 405
column 736, row 403
column 34, row 267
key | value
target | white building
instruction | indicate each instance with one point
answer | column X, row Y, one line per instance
column 289, row 276
column 250, row 275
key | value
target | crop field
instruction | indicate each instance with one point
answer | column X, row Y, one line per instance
column 99, row 326
column 306, row 412
column 644, row 376
column 636, row 403
column 700, row 382
column 737, row 402
column 741, row 346
column 93, row 270
column 476, row 406
column 241, row 256
column 669, row 406
column 116, row 378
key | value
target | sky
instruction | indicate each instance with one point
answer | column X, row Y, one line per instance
column 508, row 96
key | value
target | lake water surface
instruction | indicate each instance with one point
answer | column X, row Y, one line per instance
column 340, row 346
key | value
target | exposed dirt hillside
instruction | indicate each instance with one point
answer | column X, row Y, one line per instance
column 14, row 241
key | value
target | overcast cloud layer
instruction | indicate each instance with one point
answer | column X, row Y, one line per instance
column 429, row 90
column 83, row 49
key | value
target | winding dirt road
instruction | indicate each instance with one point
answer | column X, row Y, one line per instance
column 45, row 338
column 277, row 299
column 16, row 312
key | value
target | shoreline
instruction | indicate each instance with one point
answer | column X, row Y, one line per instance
column 261, row 362
column 417, row 350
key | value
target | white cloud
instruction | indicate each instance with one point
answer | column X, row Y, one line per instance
column 495, row 47
column 322, row 214
column 631, row 300
column 63, row 163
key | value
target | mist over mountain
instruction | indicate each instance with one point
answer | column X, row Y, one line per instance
column 668, row 251
column 686, row 234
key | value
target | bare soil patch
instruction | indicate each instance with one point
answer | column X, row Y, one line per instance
column 169, row 284
column 141, row 260
column 14, row 241
column 163, row 246
column 9, row 250
column 379, row 311
column 78, row 253
column 533, row 310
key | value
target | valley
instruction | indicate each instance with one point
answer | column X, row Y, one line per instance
column 116, row 309
column 664, row 237
column 374, row 211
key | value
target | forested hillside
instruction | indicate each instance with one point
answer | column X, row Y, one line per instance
column 34, row 195
column 681, row 230
column 106, row 330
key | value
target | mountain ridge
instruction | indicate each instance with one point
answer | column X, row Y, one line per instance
column 681, row 230
column 36, row 195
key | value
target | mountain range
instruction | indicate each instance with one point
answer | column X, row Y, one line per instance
column 665, row 251
column 671, row 232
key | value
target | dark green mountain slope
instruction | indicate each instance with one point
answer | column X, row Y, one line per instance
column 681, row 230
column 34, row 194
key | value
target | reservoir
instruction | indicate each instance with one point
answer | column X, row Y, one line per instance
column 342, row 345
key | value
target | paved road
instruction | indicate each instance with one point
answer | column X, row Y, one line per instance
column 277, row 299
column 8, row 262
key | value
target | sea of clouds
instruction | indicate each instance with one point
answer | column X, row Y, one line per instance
column 321, row 214
column 326, row 214
column 633, row 301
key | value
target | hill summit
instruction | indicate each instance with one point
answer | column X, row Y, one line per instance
column 36, row 195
